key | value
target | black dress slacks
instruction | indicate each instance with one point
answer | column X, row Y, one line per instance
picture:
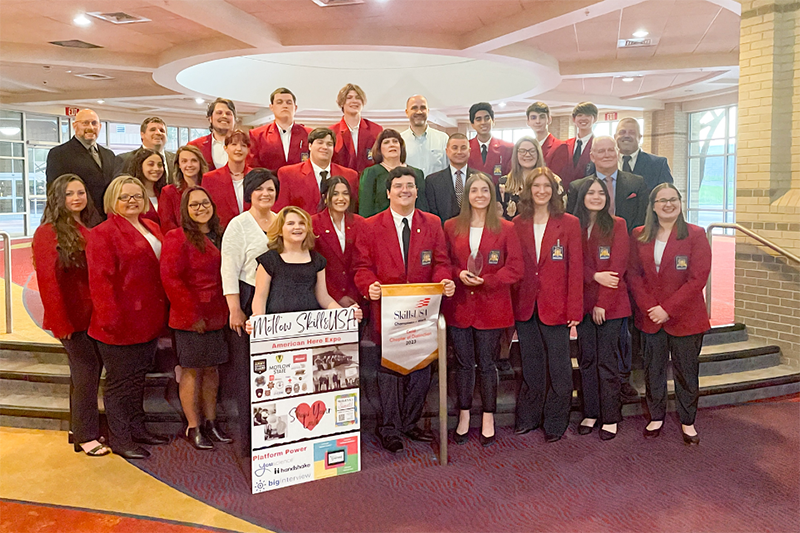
column 545, row 394
column 402, row 399
column 85, row 367
column 476, row 346
column 598, row 360
column 685, row 352
column 126, row 368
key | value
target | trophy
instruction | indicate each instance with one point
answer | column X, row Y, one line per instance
column 475, row 263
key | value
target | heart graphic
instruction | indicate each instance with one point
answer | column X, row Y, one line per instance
column 310, row 415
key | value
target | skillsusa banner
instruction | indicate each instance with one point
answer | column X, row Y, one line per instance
column 409, row 318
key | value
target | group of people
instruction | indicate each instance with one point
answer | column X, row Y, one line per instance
column 539, row 236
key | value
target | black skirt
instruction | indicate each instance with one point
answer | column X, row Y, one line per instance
column 200, row 350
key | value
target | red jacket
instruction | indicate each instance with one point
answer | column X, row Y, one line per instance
column 339, row 271
column 345, row 155
column 498, row 157
column 379, row 257
column 130, row 306
column 193, row 283
column 563, row 165
column 152, row 213
column 487, row 306
column 299, row 186
column 266, row 147
column 169, row 208
column 64, row 291
column 219, row 185
column 551, row 287
column 204, row 145
column 606, row 254
column 677, row 286
column 550, row 151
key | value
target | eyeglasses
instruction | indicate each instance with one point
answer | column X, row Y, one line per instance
column 87, row 122
column 531, row 151
column 196, row 206
column 129, row 197
column 665, row 201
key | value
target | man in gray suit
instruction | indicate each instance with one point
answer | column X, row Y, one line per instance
column 652, row 168
column 154, row 137
column 445, row 190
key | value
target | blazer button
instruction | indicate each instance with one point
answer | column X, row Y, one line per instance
column 471, row 292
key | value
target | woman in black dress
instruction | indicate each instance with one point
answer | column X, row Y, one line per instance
column 291, row 275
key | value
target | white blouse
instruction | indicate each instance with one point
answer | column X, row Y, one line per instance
column 340, row 232
column 538, row 234
column 155, row 244
column 242, row 243
column 658, row 253
column 475, row 239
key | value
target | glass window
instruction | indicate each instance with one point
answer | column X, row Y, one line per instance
column 66, row 131
column 13, row 224
column 39, row 128
column 10, row 149
column 183, row 136
column 172, row 139
column 123, row 137
column 10, row 125
column 196, row 133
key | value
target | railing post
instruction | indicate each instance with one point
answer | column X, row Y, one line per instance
column 708, row 283
column 7, row 262
column 442, row 332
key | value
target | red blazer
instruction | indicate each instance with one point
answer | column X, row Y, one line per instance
column 378, row 256
column 169, row 208
column 677, row 286
column 498, row 157
column 219, row 184
column 204, row 145
column 130, row 306
column 562, row 165
column 266, row 147
column 553, row 288
column 549, row 147
column 64, row 291
column 345, row 155
column 193, row 283
column 487, row 306
column 299, row 186
column 339, row 271
column 604, row 254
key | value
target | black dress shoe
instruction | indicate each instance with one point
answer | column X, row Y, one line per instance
column 652, row 433
column 691, row 440
column 151, row 439
column 459, row 438
column 215, row 433
column 419, row 435
column 132, row 452
column 552, row 438
column 606, row 435
column 522, row 430
column 198, row 440
column 487, row 441
column 392, row 444
column 585, row 430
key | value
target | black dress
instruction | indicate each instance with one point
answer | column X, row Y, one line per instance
column 293, row 286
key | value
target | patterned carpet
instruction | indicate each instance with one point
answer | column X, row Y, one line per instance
column 745, row 476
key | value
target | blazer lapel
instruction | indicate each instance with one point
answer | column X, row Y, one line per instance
column 274, row 137
column 528, row 240
column 669, row 251
column 395, row 252
column 327, row 232
column 550, row 237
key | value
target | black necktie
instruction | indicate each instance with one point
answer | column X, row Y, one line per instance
column 484, row 150
column 626, row 163
column 577, row 155
column 406, row 241
column 323, row 175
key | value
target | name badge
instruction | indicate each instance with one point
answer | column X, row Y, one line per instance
column 304, row 157
column 604, row 252
column 425, row 257
column 557, row 252
column 494, row 257
column 369, row 154
column 498, row 170
column 681, row 262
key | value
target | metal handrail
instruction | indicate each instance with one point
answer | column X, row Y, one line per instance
column 7, row 262
column 752, row 235
column 442, row 334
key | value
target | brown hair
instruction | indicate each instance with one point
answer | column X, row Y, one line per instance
column 237, row 135
column 180, row 180
column 537, row 107
column 134, row 168
column 328, row 187
column 388, row 133
column 556, row 204
column 341, row 98
column 651, row 223
column 213, row 105
column 604, row 221
column 149, row 120
column 465, row 216
column 516, row 178
column 281, row 90
column 71, row 244
column 275, row 231
column 585, row 108
column 191, row 229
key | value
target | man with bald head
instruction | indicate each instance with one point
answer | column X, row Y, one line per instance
column 425, row 146
column 82, row 155
column 652, row 168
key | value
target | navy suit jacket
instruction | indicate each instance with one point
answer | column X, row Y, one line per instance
column 654, row 169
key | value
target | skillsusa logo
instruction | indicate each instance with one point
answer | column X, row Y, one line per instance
column 423, row 303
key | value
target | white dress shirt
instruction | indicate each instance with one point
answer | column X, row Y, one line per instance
column 583, row 140
column 658, row 253
column 354, row 135
column 634, row 157
column 286, row 139
column 426, row 152
column 340, row 231
column 238, row 189
column 317, row 170
column 463, row 170
column 242, row 243
column 218, row 153
column 398, row 224
column 155, row 244
column 538, row 235
column 475, row 235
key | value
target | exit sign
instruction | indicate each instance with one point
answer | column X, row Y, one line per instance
column 611, row 116
column 71, row 111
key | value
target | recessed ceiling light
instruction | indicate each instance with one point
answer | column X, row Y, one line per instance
column 101, row 101
column 641, row 33
column 69, row 72
column 199, row 100
column 81, row 20
column 627, row 79
column 501, row 104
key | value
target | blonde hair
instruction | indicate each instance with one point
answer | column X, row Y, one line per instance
column 341, row 98
column 115, row 189
column 275, row 231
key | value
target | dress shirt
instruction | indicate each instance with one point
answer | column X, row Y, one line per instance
column 583, row 140
column 398, row 224
column 317, row 170
column 463, row 170
column 538, row 235
column 354, row 135
column 155, row 244
column 634, row 157
column 426, row 152
column 242, row 243
column 238, row 189
column 340, row 232
column 658, row 253
column 286, row 139
column 603, row 177
column 475, row 235
column 218, row 153
column 541, row 141
column 87, row 145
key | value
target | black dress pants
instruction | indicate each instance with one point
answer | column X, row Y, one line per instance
column 126, row 367
column 600, row 384
column 685, row 353
column 402, row 399
column 84, row 374
column 473, row 346
column 545, row 394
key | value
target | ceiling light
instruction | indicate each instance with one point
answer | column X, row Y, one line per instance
column 501, row 104
column 9, row 131
column 101, row 101
column 627, row 79
column 81, row 20
column 199, row 100
column 641, row 33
